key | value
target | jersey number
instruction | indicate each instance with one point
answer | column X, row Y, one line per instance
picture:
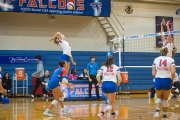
column 109, row 69
column 163, row 63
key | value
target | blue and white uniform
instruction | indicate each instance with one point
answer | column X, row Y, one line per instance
column 163, row 78
column 170, row 47
column 109, row 78
column 66, row 50
column 56, row 78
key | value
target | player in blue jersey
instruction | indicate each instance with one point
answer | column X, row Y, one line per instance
column 59, row 75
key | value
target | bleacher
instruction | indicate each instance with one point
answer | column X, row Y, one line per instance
column 140, row 78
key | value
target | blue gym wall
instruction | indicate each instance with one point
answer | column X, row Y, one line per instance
column 139, row 78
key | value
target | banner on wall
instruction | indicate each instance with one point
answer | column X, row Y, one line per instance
column 80, row 90
column 17, row 60
column 164, row 21
column 64, row 7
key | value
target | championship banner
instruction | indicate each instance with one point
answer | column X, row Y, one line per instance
column 18, row 60
column 100, row 8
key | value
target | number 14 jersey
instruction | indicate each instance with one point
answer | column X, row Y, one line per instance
column 163, row 66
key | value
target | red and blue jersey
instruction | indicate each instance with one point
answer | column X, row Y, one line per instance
column 56, row 77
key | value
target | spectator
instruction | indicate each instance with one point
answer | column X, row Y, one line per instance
column 38, row 74
column 73, row 75
column 84, row 74
column 92, row 69
column 6, row 82
column 44, row 80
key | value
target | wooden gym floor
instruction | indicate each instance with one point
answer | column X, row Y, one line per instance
column 133, row 107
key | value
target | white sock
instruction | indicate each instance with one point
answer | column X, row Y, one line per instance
column 48, row 109
column 157, row 109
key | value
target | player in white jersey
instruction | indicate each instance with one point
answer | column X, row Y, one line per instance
column 167, row 41
column 110, row 73
column 59, row 39
column 164, row 71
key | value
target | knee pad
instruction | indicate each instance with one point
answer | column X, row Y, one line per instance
column 54, row 102
column 165, row 103
column 109, row 107
column 159, row 100
column 61, row 99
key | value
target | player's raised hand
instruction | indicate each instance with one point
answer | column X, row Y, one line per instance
column 51, row 39
column 168, row 23
column 161, row 23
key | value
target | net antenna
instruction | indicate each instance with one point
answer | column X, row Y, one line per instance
column 116, row 45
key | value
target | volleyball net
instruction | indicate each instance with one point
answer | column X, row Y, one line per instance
column 141, row 50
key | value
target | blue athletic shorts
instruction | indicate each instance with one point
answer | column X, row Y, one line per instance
column 65, row 57
column 51, row 85
column 47, row 88
column 109, row 87
column 163, row 83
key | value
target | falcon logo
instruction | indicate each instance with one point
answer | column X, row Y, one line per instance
column 97, row 7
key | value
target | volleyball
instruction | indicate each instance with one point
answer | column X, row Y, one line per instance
column 70, row 5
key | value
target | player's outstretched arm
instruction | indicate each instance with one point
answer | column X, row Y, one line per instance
column 119, row 78
column 173, row 71
column 154, row 71
column 55, row 38
column 72, row 60
column 162, row 30
column 168, row 29
column 98, row 77
column 58, row 34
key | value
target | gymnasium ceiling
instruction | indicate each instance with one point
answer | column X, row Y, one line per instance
column 167, row 2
